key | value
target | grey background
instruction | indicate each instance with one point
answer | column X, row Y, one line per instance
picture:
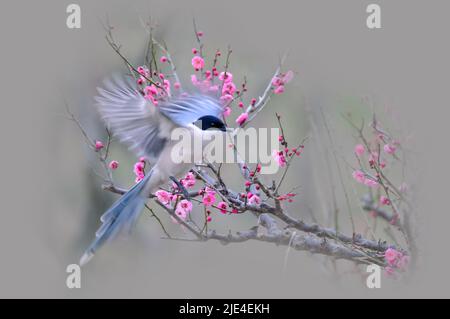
column 51, row 203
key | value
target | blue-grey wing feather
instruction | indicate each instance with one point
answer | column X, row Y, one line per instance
column 131, row 118
column 186, row 110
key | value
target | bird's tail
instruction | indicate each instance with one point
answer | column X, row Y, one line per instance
column 120, row 217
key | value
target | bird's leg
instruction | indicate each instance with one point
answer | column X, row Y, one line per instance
column 181, row 187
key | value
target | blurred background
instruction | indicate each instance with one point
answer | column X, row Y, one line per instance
column 52, row 200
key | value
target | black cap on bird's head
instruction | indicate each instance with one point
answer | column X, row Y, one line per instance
column 209, row 121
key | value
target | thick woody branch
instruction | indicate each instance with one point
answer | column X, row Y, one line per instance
column 273, row 234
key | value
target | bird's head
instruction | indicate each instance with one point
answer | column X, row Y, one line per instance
column 209, row 121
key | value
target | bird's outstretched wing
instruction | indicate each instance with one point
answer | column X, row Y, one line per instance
column 132, row 119
column 143, row 127
column 188, row 109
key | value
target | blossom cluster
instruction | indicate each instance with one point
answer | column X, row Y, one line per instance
column 396, row 261
column 373, row 156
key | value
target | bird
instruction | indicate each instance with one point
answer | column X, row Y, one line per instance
column 146, row 129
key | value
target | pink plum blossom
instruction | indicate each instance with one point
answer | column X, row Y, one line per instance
column 163, row 196
column 151, row 90
column 163, row 59
column 370, row 183
column 181, row 213
column 227, row 98
column 359, row 176
column 139, row 171
column 141, row 80
column 228, row 77
column 194, row 79
column 189, row 180
column 359, row 150
column 391, row 255
column 198, row 63
column 228, row 88
column 242, row 118
column 142, row 70
column 185, row 205
column 279, row 157
column 208, row 199
column 227, row 111
column 389, row 148
column 254, row 199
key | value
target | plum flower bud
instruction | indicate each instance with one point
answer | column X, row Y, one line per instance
column 359, row 176
column 242, row 118
column 384, row 200
column 150, row 90
column 139, row 168
column 113, row 165
column 198, row 62
column 227, row 111
column 389, row 149
column 98, row 145
column 163, row 59
column 279, row 89
column 143, row 71
column 141, row 80
column 359, row 150
column 223, row 207
column 194, row 51
column 370, row 183
column 226, row 77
